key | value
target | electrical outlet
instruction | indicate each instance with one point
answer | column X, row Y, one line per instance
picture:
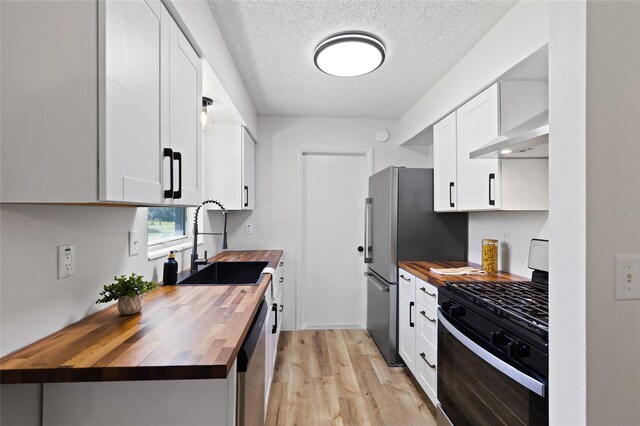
column 627, row 277
column 248, row 229
column 134, row 243
column 66, row 261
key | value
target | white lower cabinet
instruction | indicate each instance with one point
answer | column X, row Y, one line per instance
column 273, row 298
column 418, row 331
column 268, row 356
column 427, row 370
column 140, row 403
column 426, row 326
column 406, row 316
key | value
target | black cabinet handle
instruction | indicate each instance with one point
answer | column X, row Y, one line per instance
column 168, row 152
column 424, row 314
column 281, row 263
column 274, row 329
column 424, row 357
column 492, row 177
column 246, row 194
column 281, row 308
column 425, row 290
column 281, row 279
column 405, row 278
column 451, row 203
column 178, row 157
column 411, row 305
column 360, row 249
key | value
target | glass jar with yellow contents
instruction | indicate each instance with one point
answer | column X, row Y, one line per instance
column 490, row 256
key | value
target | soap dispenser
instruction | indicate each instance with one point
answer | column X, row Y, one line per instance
column 170, row 273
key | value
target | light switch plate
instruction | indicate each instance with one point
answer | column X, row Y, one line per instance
column 66, row 261
column 134, row 243
column 627, row 277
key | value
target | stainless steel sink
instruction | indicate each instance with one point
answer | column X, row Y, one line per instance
column 226, row 273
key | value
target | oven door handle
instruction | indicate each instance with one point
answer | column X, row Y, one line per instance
column 528, row 382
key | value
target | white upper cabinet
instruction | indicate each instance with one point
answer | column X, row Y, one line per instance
column 444, row 156
column 248, row 170
column 183, row 100
column 463, row 184
column 478, row 122
column 114, row 112
column 230, row 167
column 129, row 82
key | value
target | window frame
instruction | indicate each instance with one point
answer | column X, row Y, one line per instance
column 168, row 241
column 161, row 248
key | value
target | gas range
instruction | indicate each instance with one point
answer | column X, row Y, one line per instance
column 493, row 347
column 510, row 318
column 525, row 303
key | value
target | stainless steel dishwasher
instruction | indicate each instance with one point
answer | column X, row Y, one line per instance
column 251, row 365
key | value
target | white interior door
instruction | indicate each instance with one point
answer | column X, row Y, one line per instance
column 331, row 282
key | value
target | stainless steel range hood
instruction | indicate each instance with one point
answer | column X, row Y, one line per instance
column 528, row 140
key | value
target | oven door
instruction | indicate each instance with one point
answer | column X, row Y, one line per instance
column 477, row 387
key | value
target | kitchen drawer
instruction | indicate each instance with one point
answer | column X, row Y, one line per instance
column 426, row 295
column 426, row 326
column 407, row 283
column 427, row 371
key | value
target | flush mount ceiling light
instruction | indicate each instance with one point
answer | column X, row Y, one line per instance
column 349, row 54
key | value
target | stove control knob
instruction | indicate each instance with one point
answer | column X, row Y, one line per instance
column 498, row 338
column 446, row 306
column 518, row 349
column 457, row 311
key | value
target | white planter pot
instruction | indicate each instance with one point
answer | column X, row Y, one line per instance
column 130, row 305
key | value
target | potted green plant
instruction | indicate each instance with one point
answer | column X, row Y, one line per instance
column 128, row 291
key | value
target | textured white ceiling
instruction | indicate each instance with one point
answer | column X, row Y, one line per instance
column 272, row 44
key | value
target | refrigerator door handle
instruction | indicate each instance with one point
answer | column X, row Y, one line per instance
column 383, row 287
column 367, row 230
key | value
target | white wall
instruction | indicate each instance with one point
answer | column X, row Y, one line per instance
column 33, row 302
column 274, row 218
column 513, row 230
column 199, row 18
column 567, row 209
column 519, row 33
column 613, row 184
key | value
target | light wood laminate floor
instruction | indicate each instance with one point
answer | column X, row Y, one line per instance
column 338, row 377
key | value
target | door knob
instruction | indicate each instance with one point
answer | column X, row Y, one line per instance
column 360, row 249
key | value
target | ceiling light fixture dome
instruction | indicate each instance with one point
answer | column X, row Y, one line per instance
column 349, row 54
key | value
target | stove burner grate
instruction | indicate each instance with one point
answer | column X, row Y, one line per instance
column 525, row 302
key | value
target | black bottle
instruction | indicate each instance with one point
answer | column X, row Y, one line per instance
column 170, row 273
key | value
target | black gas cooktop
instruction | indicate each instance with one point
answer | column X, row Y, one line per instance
column 523, row 302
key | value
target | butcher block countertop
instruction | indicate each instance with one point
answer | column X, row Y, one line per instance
column 183, row 332
column 422, row 270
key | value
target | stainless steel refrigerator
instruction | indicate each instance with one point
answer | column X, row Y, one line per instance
column 400, row 224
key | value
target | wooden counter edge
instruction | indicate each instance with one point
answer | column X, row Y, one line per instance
column 422, row 270
column 135, row 373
